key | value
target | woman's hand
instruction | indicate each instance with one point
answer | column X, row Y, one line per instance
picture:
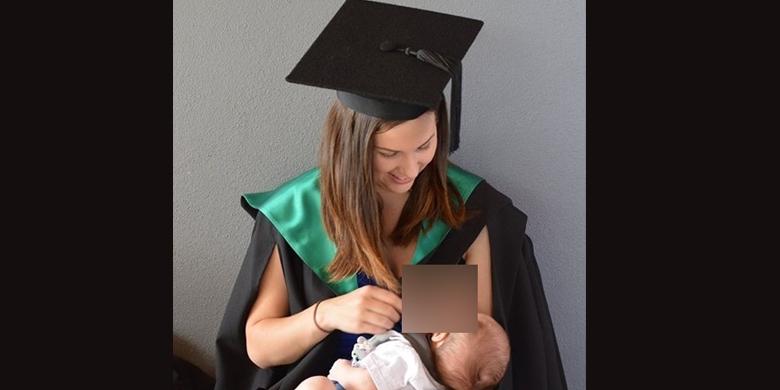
column 369, row 309
column 351, row 377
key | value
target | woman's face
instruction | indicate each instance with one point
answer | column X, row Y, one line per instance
column 403, row 151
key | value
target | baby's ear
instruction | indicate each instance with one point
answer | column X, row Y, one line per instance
column 440, row 336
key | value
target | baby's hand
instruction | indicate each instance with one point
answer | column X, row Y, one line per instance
column 352, row 378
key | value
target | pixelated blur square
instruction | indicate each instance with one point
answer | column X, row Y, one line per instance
column 439, row 298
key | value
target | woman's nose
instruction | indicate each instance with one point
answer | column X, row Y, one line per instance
column 409, row 166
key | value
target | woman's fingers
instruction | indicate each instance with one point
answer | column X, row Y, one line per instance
column 385, row 296
column 385, row 310
column 371, row 318
column 369, row 309
column 371, row 329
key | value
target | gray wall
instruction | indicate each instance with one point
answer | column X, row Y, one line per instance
column 239, row 127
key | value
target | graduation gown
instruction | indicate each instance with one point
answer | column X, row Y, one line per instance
column 289, row 217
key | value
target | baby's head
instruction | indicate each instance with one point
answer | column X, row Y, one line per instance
column 472, row 360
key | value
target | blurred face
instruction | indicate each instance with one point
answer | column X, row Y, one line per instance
column 403, row 151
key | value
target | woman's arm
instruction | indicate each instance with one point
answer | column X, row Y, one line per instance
column 479, row 254
column 272, row 337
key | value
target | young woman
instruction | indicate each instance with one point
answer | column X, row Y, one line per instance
column 325, row 258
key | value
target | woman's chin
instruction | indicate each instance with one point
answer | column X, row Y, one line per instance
column 396, row 188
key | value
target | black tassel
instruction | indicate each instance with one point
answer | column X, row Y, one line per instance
column 455, row 109
column 453, row 67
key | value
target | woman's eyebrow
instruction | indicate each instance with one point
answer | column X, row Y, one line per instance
column 391, row 150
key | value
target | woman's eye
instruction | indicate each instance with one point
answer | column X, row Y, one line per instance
column 394, row 154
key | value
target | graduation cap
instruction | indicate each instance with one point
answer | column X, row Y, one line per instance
column 390, row 61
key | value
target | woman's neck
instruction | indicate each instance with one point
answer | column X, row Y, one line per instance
column 392, row 200
column 392, row 205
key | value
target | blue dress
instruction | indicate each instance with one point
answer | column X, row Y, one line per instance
column 347, row 340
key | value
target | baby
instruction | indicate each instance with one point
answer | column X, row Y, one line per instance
column 389, row 361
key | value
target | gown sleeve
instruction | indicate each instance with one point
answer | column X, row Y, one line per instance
column 234, row 369
column 521, row 307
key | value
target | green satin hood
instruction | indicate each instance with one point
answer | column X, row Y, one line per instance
column 290, row 206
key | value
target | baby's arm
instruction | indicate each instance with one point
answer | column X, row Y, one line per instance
column 352, row 378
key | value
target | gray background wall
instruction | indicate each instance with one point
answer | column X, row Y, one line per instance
column 239, row 127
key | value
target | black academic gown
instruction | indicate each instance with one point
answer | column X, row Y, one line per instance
column 519, row 303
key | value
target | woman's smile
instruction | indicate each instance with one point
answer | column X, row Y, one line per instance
column 401, row 181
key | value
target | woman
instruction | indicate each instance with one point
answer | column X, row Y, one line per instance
column 326, row 252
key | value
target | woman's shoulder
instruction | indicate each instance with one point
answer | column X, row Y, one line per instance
column 302, row 190
column 292, row 209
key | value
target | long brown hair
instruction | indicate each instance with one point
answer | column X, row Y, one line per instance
column 351, row 206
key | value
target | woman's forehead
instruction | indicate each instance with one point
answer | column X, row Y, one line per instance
column 408, row 134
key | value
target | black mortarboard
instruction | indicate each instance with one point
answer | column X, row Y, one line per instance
column 390, row 61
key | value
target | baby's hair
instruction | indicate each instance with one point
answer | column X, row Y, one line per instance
column 482, row 368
